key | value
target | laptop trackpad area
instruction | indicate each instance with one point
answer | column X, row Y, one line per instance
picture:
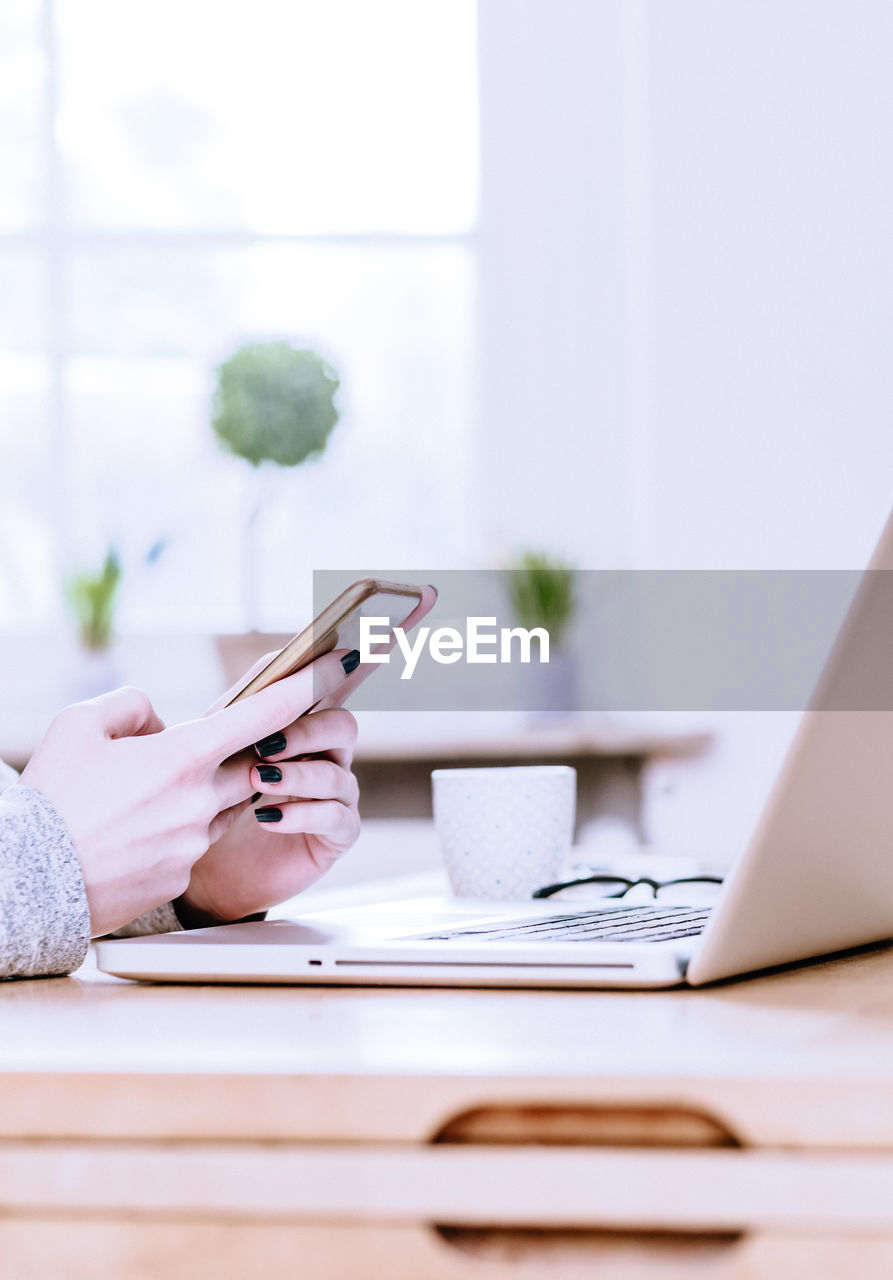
column 378, row 922
column 368, row 923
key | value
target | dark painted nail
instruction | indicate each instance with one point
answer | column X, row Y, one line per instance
column 269, row 813
column 351, row 661
column 269, row 773
column 270, row 746
column 257, row 795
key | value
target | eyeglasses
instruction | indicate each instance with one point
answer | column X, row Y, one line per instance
column 620, row 886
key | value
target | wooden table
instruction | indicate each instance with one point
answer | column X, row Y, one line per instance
column 739, row 1131
column 396, row 752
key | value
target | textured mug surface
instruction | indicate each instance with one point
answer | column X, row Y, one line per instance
column 504, row 832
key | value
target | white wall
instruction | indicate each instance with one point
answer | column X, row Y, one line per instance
column 686, row 305
column 552, row 462
column 773, row 280
column 686, row 279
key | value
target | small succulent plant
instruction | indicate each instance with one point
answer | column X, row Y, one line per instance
column 92, row 597
column 541, row 590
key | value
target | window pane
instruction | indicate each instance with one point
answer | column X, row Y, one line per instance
column 29, row 489
column 29, row 476
column 394, row 484
column 144, row 476
column 22, row 305
column 270, row 115
column 22, row 78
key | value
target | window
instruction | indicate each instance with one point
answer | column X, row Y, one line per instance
column 176, row 180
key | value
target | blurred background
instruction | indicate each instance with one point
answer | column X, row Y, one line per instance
column 613, row 280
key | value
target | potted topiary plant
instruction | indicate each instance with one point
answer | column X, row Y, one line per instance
column 274, row 406
column 541, row 592
column 92, row 597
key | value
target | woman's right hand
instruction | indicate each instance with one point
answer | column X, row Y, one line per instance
column 139, row 800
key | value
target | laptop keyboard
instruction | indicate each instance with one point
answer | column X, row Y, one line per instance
column 623, row 924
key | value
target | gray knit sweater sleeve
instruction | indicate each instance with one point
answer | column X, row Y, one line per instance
column 44, row 921
column 44, row 918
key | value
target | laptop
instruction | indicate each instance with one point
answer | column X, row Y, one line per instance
column 815, row 878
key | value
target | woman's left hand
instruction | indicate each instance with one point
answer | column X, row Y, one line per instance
column 266, row 851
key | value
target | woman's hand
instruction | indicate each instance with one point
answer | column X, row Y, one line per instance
column 143, row 803
column 306, row 819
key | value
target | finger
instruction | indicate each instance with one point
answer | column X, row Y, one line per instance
column 223, row 821
column 327, row 819
column 333, row 732
column 122, row 713
column 256, row 718
column 316, row 779
column 233, row 782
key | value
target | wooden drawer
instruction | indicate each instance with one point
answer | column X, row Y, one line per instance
column 384, row 1210
column 62, row 1247
column 741, row 1133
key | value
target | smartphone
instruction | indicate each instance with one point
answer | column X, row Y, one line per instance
column 338, row 627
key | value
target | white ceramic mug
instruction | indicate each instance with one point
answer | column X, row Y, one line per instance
column 504, row 832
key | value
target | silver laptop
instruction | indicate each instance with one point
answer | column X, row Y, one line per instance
column 816, row 877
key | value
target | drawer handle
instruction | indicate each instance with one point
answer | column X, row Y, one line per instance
column 651, row 1253
column 585, row 1125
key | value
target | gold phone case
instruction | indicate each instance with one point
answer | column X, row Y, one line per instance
column 337, row 627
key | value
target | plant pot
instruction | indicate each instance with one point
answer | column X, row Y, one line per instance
column 239, row 652
column 90, row 673
column 549, row 690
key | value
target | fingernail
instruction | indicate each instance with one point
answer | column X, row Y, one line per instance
column 351, row 661
column 257, row 795
column 269, row 773
column 270, row 746
column 269, row 813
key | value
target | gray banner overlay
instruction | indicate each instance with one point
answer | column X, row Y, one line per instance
column 643, row 640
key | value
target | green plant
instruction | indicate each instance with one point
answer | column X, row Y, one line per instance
column 541, row 591
column 274, row 403
column 92, row 597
